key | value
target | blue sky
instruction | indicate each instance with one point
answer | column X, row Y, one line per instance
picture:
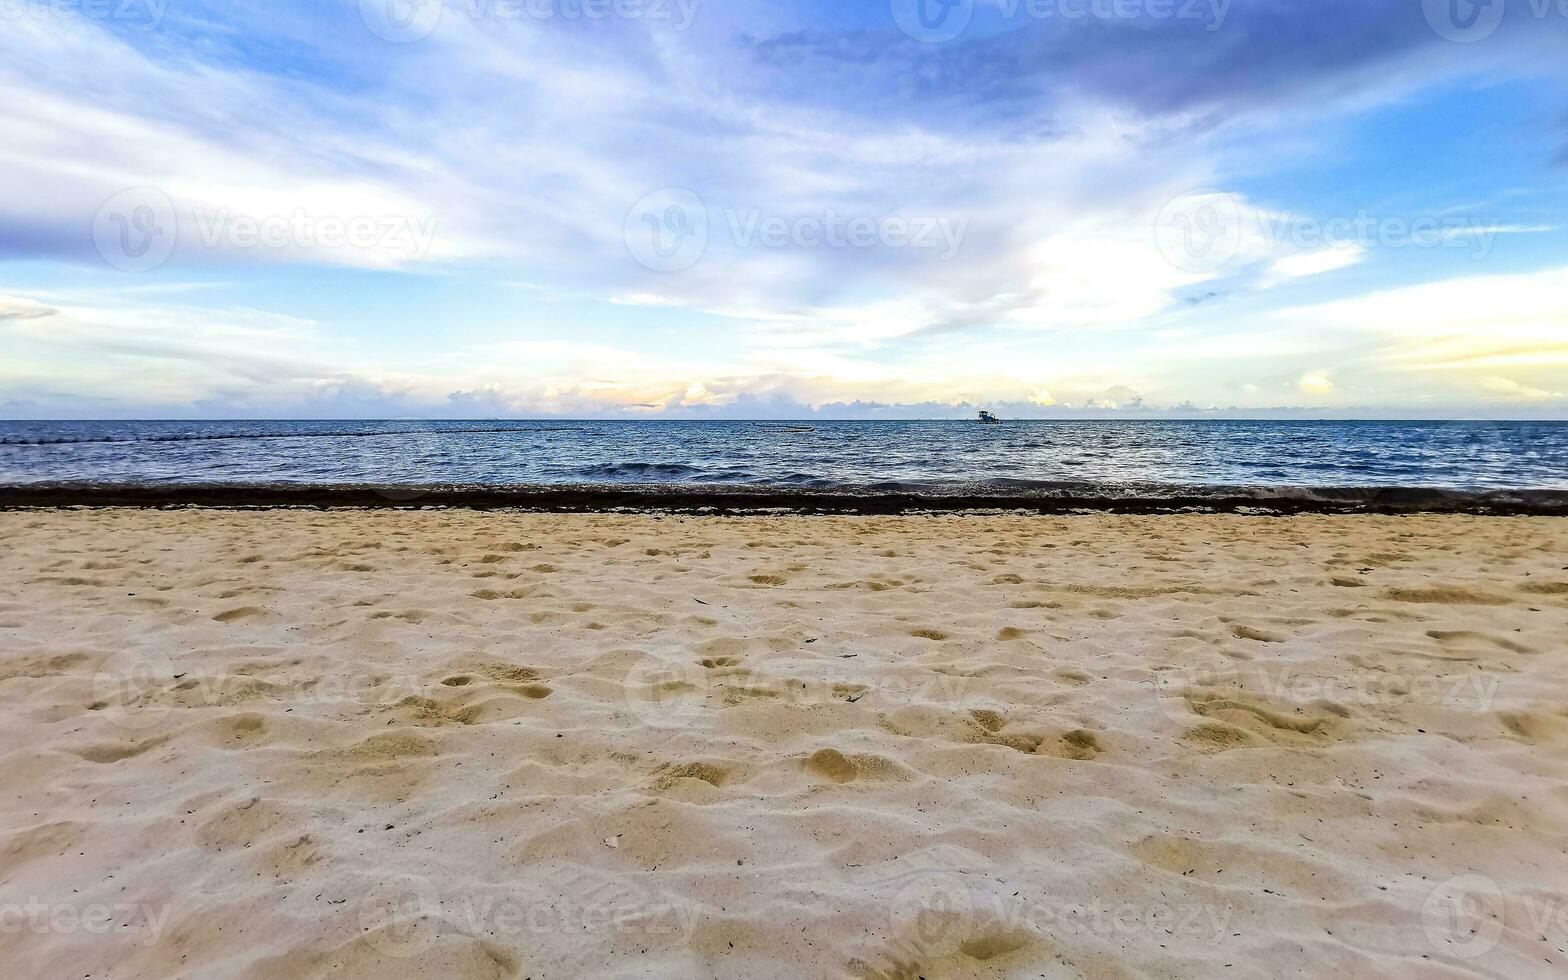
column 686, row 208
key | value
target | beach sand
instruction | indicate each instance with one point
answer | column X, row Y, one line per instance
column 460, row 744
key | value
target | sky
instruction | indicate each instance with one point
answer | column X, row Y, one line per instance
column 783, row 208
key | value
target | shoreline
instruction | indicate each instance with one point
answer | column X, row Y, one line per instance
column 881, row 499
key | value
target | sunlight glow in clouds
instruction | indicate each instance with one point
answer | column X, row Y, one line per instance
column 1294, row 206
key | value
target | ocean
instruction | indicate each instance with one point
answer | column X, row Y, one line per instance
column 912, row 456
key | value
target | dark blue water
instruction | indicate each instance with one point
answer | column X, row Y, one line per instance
column 1448, row 455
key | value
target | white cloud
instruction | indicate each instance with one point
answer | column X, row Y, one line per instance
column 1511, row 390
column 1305, row 264
column 1480, row 323
column 1315, row 383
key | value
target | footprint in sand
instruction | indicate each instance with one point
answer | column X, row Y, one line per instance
column 1536, row 726
column 243, row 612
column 1260, row 636
column 1081, row 744
column 488, row 594
column 1219, row 737
column 241, row 731
column 1446, row 596
column 833, row 764
column 669, row 775
column 1239, row 710
column 1473, row 636
column 109, row 752
column 1545, row 588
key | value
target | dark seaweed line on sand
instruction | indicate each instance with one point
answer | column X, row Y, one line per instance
column 673, row 498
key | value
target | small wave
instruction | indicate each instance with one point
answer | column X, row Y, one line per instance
column 795, row 479
column 640, row 470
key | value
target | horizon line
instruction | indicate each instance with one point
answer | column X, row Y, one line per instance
column 805, row 420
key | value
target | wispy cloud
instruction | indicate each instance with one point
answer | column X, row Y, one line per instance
column 986, row 218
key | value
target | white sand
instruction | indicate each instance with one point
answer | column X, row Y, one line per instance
column 457, row 744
